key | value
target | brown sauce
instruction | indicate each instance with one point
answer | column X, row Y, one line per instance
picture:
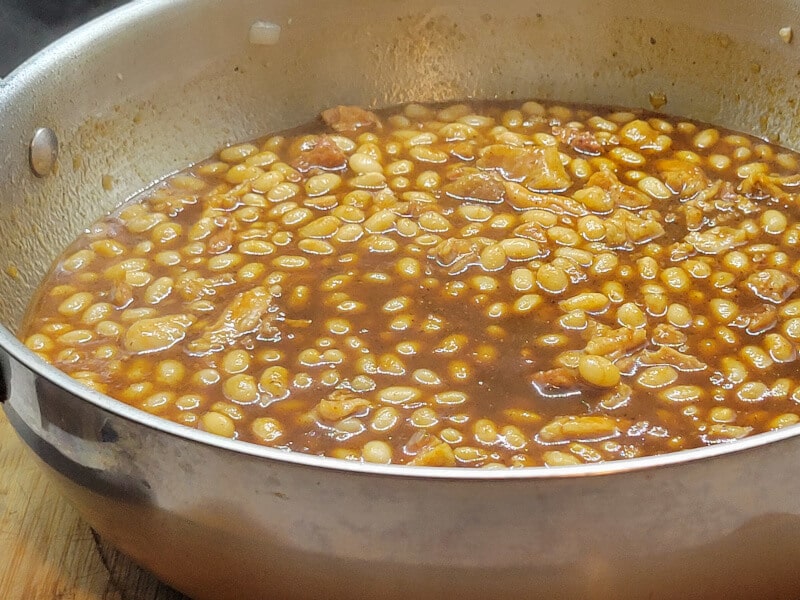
column 487, row 284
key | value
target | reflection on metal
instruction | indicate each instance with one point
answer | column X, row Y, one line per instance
column 43, row 151
column 264, row 33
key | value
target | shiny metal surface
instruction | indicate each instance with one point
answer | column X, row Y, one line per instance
column 43, row 151
column 159, row 84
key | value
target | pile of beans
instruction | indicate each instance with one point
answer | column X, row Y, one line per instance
column 479, row 285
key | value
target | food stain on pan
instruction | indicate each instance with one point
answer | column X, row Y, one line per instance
column 658, row 100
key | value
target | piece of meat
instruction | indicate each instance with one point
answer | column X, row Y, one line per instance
column 772, row 285
column 665, row 334
column 597, row 329
column 720, row 202
column 521, row 198
column 120, row 294
column 410, row 209
column 221, row 240
column 616, row 343
column 539, row 169
column 429, row 451
column 477, row 187
column 325, row 155
column 222, row 202
column 757, row 321
column 622, row 195
column 465, row 151
column 761, row 186
column 624, row 229
column 684, row 178
column 556, row 383
column 351, row 119
column 170, row 204
column 458, row 254
column 579, row 140
column 437, row 455
column 97, row 367
column 574, row 270
column 513, row 163
column 716, row 239
column 693, row 214
column 724, row 432
column 680, row 251
column 196, row 288
column 247, row 313
column 710, row 192
column 579, row 429
column 666, row 355
column 340, row 404
column 615, row 398
column 549, row 175
column 533, row 231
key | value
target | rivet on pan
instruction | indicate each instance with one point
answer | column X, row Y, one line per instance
column 264, row 33
column 43, row 151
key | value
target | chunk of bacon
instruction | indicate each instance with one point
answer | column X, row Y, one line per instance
column 761, row 186
column 120, row 294
column 222, row 239
column 350, row 119
column 716, row 240
column 477, row 187
column 684, row 178
column 758, row 320
column 625, row 228
column 458, row 254
column 429, row 451
column 533, row 231
column 616, row 343
column 772, row 285
column 324, row 155
column 539, row 169
column 669, row 356
column 247, row 313
column 521, row 198
column 195, row 288
column 623, row 196
column 575, row 428
column 665, row 334
column 340, row 404
column 579, row 140
column 556, row 383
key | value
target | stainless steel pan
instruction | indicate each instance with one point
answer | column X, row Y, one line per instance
column 159, row 84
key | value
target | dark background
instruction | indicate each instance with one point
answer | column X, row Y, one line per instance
column 27, row 26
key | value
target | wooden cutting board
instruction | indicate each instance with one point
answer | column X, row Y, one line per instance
column 46, row 551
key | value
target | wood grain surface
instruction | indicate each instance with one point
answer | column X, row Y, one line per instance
column 46, row 551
